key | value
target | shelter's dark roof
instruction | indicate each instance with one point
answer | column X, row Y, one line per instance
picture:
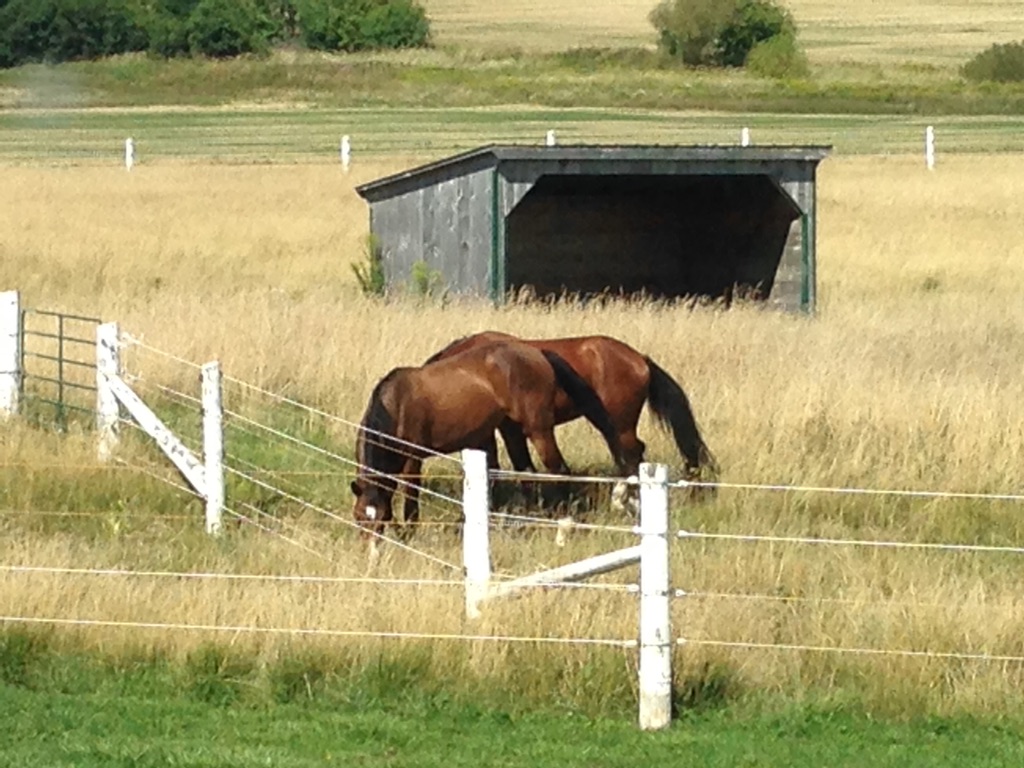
column 493, row 154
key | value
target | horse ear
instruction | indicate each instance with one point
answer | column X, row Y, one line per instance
column 356, row 490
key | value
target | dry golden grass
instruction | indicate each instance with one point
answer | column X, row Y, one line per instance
column 861, row 32
column 910, row 376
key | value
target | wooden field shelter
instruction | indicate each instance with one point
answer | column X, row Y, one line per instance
column 664, row 221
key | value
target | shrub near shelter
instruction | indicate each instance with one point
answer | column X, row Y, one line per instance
column 998, row 63
column 717, row 33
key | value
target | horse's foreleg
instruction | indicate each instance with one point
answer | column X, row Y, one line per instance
column 550, row 455
column 490, row 447
column 412, row 475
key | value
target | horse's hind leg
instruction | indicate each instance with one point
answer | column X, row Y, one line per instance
column 624, row 497
column 519, row 455
column 518, row 450
column 554, row 462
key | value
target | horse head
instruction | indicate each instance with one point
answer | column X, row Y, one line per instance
column 374, row 486
column 372, row 507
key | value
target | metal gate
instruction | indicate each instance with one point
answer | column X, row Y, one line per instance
column 58, row 367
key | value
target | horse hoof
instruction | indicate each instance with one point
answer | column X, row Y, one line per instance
column 564, row 526
column 374, row 556
column 623, row 496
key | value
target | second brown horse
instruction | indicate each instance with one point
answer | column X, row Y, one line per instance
column 624, row 379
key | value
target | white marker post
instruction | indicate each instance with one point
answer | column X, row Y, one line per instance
column 10, row 353
column 346, row 152
column 476, row 545
column 108, row 368
column 745, row 137
column 929, row 147
column 550, row 140
column 655, row 627
column 213, row 447
column 129, row 153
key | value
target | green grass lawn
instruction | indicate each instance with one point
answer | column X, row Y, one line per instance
column 55, row 729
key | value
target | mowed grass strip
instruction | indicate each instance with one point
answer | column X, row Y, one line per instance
column 296, row 135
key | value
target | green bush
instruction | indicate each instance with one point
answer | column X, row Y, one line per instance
column 719, row 32
column 178, row 8
column 426, row 283
column 219, row 29
column 354, row 25
column 282, row 16
column 687, row 29
column 168, row 27
column 370, row 274
column 395, row 24
column 327, row 25
column 998, row 63
column 69, row 30
column 778, row 57
column 752, row 22
column 224, row 28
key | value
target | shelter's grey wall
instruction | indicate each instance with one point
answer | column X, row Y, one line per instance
column 446, row 225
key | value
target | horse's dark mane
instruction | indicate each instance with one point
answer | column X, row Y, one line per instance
column 377, row 421
column 438, row 355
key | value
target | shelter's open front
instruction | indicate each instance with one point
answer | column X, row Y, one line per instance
column 708, row 222
column 663, row 236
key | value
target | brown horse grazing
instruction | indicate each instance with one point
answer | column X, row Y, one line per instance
column 457, row 403
column 624, row 379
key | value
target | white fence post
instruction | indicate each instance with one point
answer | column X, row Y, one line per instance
column 108, row 367
column 929, row 147
column 129, row 153
column 346, row 152
column 655, row 629
column 745, row 137
column 550, row 139
column 10, row 353
column 476, row 543
column 213, row 447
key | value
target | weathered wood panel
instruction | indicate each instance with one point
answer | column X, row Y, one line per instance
column 446, row 227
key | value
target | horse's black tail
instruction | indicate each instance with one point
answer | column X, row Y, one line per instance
column 672, row 409
column 589, row 404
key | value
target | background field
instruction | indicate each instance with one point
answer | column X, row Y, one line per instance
column 233, row 239
column 864, row 32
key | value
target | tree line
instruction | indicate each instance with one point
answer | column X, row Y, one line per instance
column 73, row 30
